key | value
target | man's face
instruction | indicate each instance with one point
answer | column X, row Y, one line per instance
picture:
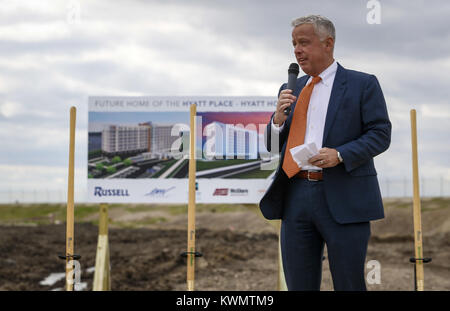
column 312, row 55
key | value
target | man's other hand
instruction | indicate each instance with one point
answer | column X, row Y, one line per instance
column 326, row 158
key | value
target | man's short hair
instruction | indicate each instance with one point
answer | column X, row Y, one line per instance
column 323, row 26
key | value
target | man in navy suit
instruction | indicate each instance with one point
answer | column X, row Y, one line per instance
column 333, row 198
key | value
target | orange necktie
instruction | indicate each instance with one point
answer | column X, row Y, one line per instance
column 298, row 128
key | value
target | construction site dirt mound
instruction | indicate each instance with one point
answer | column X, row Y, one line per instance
column 240, row 252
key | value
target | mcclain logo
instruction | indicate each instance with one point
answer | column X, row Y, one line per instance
column 238, row 191
column 99, row 191
column 159, row 192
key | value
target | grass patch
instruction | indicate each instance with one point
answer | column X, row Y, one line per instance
column 426, row 204
column 178, row 209
column 402, row 205
column 46, row 213
column 82, row 211
column 435, row 204
column 31, row 212
column 212, row 208
column 138, row 208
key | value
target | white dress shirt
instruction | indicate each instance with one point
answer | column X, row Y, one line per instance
column 317, row 110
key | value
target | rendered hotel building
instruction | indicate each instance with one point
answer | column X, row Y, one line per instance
column 145, row 137
column 227, row 141
column 224, row 141
column 118, row 139
column 161, row 138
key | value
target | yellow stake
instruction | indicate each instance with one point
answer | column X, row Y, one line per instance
column 416, row 206
column 191, row 205
column 70, row 210
column 102, row 278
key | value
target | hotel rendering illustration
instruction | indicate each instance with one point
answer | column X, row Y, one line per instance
column 144, row 137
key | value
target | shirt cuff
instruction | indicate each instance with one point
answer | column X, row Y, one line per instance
column 277, row 128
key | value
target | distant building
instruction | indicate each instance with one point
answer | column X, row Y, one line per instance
column 161, row 138
column 118, row 139
column 146, row 137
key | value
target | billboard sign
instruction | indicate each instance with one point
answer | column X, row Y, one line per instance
column 138, row 149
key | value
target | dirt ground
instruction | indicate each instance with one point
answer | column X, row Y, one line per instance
column 240, row 251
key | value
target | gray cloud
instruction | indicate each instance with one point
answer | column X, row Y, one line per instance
column 210, row 48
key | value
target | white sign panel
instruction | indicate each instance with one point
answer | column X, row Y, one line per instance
column 139, row 146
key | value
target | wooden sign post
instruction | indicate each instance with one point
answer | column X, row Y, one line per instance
column 418, row 260
column 191, row 204
column 102, row 279
column 70, row 207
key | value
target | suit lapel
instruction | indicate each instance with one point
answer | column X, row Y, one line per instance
column 339, row 86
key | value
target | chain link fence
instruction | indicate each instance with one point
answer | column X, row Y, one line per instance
column 403, row 187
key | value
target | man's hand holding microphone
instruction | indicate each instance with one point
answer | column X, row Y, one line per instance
column 284, row 104
column 286, row 98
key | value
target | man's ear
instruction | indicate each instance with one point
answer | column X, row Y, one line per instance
column 329, row 43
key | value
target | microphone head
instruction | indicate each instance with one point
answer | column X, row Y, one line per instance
column 293, row 68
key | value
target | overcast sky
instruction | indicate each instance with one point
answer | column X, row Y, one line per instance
column 51, row 58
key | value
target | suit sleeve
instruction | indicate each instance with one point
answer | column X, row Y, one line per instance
column 281, row 135
column 376, row 128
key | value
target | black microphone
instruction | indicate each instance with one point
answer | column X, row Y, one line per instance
column 292, row 80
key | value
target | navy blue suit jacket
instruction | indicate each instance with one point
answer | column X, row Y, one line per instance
column 357, row 125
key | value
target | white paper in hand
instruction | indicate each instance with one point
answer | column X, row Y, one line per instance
column 301, row 154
